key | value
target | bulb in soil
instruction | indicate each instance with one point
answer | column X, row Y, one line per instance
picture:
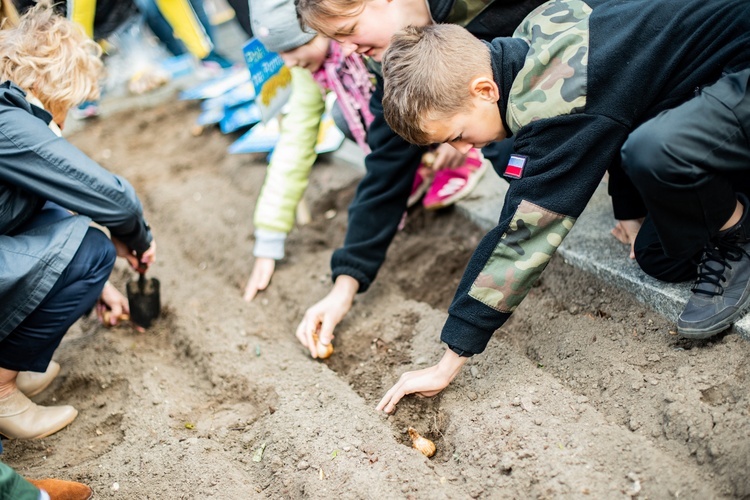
column 107, row 317
column 324, row 350
column 421, row 444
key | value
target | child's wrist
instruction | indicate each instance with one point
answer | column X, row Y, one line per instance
column 451, row 363
column 345, row 287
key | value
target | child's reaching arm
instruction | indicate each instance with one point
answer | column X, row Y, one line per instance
column 427, row 382
column 566, row 158
column 286, row 178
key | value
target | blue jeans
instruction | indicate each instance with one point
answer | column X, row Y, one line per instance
column 30, row 346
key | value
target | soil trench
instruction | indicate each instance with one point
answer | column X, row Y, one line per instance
column 585, row 393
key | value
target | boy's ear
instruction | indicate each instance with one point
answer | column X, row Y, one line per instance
column 484, row 88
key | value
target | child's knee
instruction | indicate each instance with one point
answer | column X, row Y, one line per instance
column 645, row 152
column 97, row 254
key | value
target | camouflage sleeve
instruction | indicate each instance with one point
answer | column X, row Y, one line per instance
column 563, row 160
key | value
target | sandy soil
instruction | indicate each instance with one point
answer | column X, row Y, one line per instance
column 585, row 393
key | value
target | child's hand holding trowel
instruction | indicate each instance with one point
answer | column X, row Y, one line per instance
column 140, row 264
column 144, row 302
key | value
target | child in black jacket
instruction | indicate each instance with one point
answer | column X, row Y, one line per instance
column 366, row 26
column 662, row 87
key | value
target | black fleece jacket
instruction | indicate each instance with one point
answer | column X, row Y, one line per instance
column 643, row 57
column 381, row 196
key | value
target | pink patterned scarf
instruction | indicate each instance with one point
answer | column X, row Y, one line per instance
column 349, row 79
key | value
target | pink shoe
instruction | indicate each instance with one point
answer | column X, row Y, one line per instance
column 421, row 184
column 451, row 185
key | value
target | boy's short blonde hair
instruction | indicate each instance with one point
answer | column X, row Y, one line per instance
column 428, row 71
column 316, row 15
column 51, row 57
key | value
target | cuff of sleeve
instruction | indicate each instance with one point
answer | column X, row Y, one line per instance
column 362, row 279
column 139, row 239
column 269, row 244
column 464, row 337
column 628, row 207
column 460, row 352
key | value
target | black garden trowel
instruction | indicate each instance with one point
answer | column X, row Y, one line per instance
column 144, row 299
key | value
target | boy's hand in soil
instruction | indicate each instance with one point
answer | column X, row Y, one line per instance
column 625, row 231
column 323, row 317
column 427, row 382
column 260, row 277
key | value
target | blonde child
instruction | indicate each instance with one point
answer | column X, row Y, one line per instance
column 366, row 27
column 53, row 264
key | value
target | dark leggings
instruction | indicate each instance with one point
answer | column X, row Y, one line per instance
column 30, row 346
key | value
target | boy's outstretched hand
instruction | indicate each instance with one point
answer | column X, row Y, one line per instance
column 321, row 319
column 427, row 382
column 260, row 277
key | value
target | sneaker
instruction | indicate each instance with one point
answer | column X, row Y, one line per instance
column 722, row 291
column 453, row 184
column 88, row 109
column 216, row 61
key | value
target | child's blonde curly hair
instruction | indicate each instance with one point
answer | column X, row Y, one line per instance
column 51, row 57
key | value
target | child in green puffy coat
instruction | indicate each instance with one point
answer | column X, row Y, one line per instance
column 313, row 60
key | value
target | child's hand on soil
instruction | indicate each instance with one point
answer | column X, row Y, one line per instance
column 427, row 382
column 447, row 156
column 321, row 319
column 625, row 231
column 260, row 277
column 113, row 301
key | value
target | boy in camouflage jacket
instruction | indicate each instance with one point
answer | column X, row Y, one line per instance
column 662, row 87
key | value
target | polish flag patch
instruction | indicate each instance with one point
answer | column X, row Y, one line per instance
column 516, row 163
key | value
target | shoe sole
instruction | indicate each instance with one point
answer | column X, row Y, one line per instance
column 702, row 333
column 694, row 334
column 466, row 191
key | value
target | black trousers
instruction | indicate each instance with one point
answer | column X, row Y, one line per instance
column 688, row 164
